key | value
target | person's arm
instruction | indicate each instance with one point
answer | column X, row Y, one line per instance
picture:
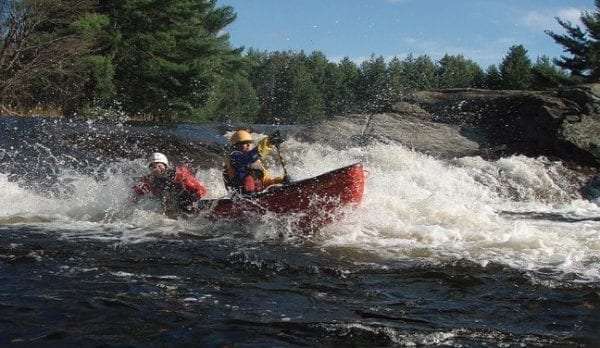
column 142, row 187
column 264, row 147
column 190, row 182
column 139, row 190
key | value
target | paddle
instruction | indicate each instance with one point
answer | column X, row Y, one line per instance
column 276, row 140
column 363, row 140
column 281, row 161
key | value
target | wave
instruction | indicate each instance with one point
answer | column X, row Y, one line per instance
column 415, row 207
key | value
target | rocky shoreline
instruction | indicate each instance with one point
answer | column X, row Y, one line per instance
column 562, row 125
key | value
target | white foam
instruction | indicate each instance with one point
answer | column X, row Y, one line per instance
column 415, row 207
column 418, row 207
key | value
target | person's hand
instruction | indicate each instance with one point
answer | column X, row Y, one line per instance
column 276, row 138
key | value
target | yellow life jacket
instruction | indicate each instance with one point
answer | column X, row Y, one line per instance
column 229, row 177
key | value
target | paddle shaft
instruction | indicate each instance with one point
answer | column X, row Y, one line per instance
column 281, row 160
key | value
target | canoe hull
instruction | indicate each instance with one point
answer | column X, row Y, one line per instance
column 312, row 202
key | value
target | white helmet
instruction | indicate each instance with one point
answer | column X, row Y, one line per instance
column 158, row 157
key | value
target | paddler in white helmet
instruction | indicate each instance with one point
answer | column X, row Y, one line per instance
column 243, row 170
column 177, row 187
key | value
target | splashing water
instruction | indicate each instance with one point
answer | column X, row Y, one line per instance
column 415, row 208
column 460, row 252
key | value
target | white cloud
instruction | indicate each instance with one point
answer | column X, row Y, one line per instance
column 571, row 14
column 546, row 19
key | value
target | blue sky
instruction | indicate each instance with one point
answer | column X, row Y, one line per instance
column 482, row 30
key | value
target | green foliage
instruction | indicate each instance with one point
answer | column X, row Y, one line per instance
column 346, row 95
column 373, row 85
column 329, row 82
column 546, row 75
column 168, row 55
column 91, row 26
column 479, row 78
column 305, row 104
column 99, row 69
column 493, row 78
column 420, row 73
column 290, row 86
column 397, row 79
column 332, row 91
column 583, row 46
column 458, row 72
column 171, row 60
column 271, row 83
column 230, row 99
column 102, row 73
column 40, row 54
column 515, row 69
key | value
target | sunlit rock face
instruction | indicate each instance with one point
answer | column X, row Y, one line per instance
column 412, row 130
column 564, row 124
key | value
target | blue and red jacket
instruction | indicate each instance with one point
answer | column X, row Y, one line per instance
column 239, row 174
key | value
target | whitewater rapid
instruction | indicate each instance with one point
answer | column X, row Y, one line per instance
column 518, row 212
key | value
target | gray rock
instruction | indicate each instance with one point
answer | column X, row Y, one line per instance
column 562, row 124
column 413, row 131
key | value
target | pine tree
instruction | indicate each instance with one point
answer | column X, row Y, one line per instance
column 426, row 73
column 327, row 80
column 305, row 103
column 516, row 69
column 546, row 75
column 493, row 78
column 168, row 55
column 479, row 78
column 374, row 87
column 457, row 72
column 583, row 45
column 286, row 88
column 262, row 78
column 397, row 79
column 419, row 72
column 273, row 84
column 348, row 88
column 232, row 98
column 317, row 63
column 332, row 91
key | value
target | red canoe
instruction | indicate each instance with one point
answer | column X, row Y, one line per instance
column 312, row 202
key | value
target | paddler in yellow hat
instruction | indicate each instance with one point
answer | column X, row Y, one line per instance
column 243, row 169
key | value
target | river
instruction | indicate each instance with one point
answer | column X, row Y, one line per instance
column 464, row 252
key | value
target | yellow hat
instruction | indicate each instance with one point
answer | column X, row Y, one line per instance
column 240, row 136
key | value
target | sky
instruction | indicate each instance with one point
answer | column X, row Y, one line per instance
column 481, row 30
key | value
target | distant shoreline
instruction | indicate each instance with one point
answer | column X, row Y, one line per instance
column 54, row 112
column 41, row 111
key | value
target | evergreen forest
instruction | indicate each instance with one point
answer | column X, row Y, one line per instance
column 172, row 61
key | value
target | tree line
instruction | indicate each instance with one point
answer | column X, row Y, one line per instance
column 172, row 60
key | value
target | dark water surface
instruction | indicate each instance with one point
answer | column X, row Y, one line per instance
column 79, row 267
column 215, row 290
